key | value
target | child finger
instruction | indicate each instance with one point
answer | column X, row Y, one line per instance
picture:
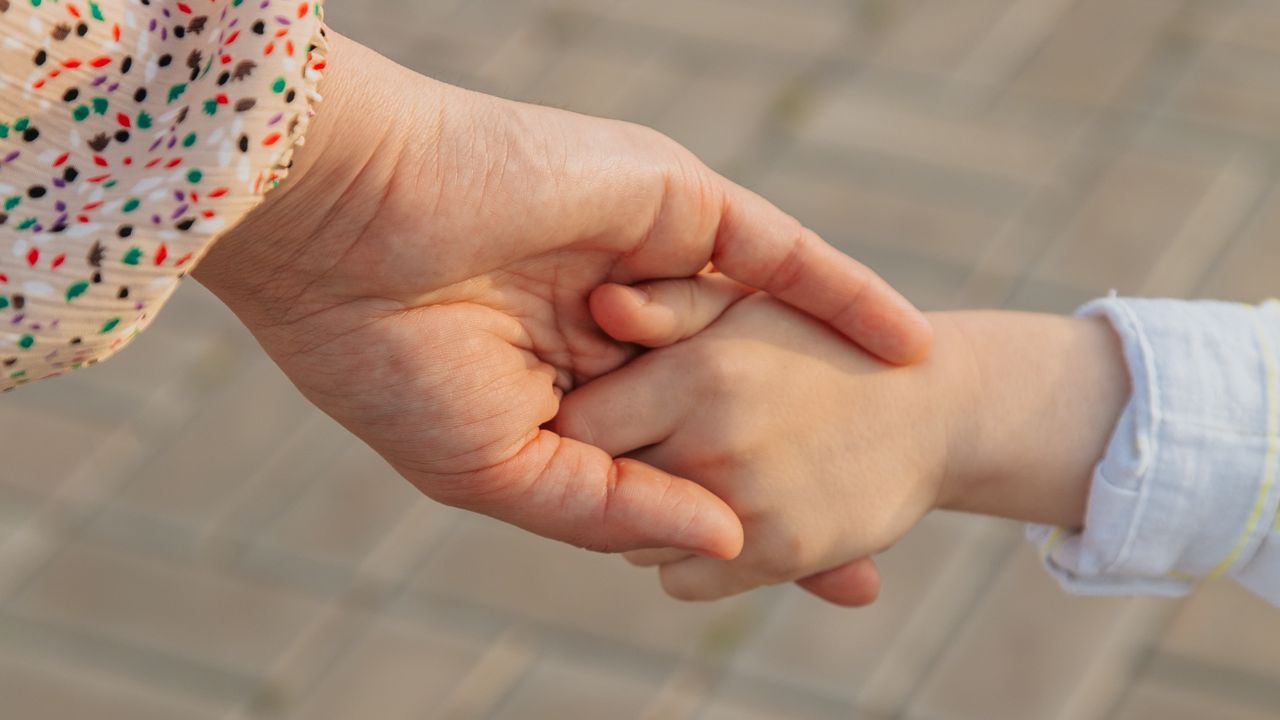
column 664, row 312
column 855, row 584
column 655, row 557
column 700, row 579
column 633, row 407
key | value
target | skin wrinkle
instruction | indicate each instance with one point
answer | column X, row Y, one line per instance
column 729, row 357
column 721, row 231
column 282, row 197
column 681, row 330
column 523, row 236
column 519, row 445
column 853, row 305
column 558, row 320
column 432, row 191
column 519, row 335
column 655, row 220
column 569, row 496
column 567, row 491
column 696, row 181
column 579, row 428
column 976, row 380
column 333, row 212
column 690, row 517
column 460, row 177
column 560, row 355
column 392, row 318
column 304, row 349
column 264, row 317
column 495, row 174
column 519, row 133
column 710, row 203
column 465, row 398
column 505, row 456
column 787, row 273
column 563, row 379
column 382, row 205
column 475, row 489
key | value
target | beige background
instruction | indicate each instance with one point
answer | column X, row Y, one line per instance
column 182, row 537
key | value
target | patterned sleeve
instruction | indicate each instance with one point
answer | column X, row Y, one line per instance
column 132, row 134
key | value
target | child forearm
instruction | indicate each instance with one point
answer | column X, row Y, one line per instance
column 1141, row 438
column 1042, row 400
column 1162, row 416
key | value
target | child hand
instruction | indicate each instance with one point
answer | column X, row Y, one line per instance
column 826, row 454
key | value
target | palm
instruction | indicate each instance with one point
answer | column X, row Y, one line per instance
column 439, row 308
column 448, row 365
column 448, row 390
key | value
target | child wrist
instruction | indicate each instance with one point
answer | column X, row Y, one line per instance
column 955, row 385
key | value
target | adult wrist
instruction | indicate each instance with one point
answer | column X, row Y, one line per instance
column 338, row 178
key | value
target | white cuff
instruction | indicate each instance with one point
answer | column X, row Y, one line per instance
column 1187, row 488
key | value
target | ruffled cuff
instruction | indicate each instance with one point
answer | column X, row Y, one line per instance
column 132, row 135
column 1187, row 489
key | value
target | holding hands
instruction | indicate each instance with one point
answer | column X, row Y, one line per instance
column 423, row 278
column 436, row 274
column 829, row 455
column 452, row 277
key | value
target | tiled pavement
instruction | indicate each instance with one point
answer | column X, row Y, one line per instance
column 182, row 537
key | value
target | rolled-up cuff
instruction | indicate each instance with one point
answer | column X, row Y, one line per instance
column 1187, row 488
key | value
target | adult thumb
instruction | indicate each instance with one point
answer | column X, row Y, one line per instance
column 571, row 491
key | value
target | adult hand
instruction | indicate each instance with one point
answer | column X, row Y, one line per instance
column 423, row 277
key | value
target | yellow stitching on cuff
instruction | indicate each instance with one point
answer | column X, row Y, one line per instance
column 1273, row 442
column 1051, row 543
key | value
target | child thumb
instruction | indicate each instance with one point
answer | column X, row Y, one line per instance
column 664, row 312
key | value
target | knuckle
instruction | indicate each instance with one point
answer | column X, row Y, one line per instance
column 482, row 491
column 773, row 567
column 680, row 590
column 790, row 270
column 574, row 424
column 858, row 294
column 787, row 552
column 686, row 309
column 714, row 369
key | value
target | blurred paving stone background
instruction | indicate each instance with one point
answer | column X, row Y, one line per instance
column 181, row 536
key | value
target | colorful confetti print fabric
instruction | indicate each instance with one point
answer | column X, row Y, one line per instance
column 132, row 134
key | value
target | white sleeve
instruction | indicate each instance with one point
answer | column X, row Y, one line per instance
column 1187, row 489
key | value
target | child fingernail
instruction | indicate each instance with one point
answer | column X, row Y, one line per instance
column 640, row 294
